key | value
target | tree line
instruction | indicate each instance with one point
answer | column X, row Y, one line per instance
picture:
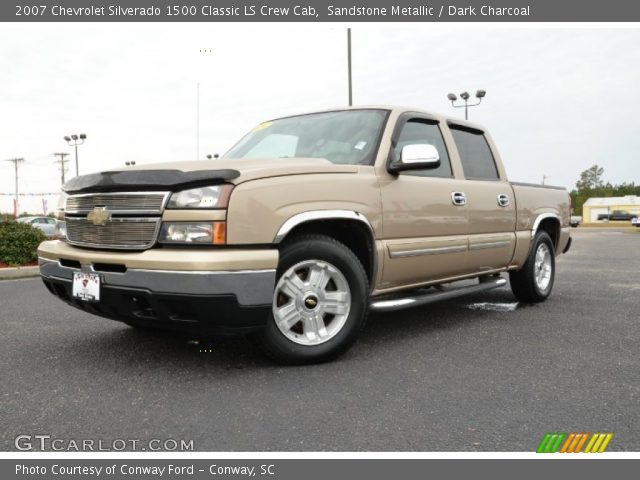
column 591, row 184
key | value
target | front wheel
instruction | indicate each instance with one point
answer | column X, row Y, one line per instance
column 534, row 281
column 319, row 303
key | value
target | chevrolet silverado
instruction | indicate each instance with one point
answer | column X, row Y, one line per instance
column 308, row 223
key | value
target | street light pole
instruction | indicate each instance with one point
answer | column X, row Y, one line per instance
column 198, row 121
column 77, row 163
column 75, row 140
column 349, row 66
column 15, row 162
column 480, row 94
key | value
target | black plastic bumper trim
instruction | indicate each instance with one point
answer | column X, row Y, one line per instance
column 202, row 313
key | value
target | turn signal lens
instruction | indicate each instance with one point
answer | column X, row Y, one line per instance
column 219, row 233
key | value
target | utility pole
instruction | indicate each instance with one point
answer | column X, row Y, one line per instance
column 198, row 121
column 16, row 161
column 63, row 168
column 349, row 66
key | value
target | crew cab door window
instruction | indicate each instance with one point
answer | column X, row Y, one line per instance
column 418, row 131
column 476, row 157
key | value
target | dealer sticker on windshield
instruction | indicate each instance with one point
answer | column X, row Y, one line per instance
column 86, row 286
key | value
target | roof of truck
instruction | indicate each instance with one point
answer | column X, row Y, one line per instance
column 396, row 109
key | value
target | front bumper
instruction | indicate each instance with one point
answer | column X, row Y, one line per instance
column 182, row 295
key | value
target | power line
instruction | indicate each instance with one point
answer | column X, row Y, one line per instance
column 61, row 160
column 15, row 162
column 32, row 194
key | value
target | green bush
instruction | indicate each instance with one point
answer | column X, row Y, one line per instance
column 19, row 243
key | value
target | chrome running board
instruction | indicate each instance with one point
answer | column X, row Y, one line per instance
column 410, row 300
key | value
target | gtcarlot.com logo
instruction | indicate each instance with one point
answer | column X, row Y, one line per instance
column 45, row 443
column 574, row 443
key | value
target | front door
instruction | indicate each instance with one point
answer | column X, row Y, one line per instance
column 425, row 220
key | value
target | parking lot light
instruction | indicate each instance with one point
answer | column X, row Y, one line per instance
column 480, row 94
column 75, row 140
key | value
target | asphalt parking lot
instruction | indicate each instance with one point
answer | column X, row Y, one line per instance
column 480, row 373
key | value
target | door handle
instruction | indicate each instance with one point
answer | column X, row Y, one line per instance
column 503, row 200
column 458, row 198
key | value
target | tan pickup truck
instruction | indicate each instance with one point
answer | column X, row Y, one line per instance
column 305, row 225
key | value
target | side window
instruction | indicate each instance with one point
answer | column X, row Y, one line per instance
column 417, row 131
column 476, row 157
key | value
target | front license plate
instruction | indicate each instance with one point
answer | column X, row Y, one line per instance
column 86, row 286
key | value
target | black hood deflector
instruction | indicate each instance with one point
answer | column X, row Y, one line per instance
column 147, row 180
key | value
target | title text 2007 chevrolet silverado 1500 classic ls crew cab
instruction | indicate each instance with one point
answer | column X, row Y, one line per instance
column 303, row 226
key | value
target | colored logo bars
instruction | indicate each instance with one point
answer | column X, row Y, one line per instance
column 573, row 443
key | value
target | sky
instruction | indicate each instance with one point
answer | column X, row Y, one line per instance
column 558, row 99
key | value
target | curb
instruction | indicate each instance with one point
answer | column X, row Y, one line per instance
column 13, row 273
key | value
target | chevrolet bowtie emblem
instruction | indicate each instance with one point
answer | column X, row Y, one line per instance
column 99, row 216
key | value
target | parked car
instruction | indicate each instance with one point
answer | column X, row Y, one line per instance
column 618, row 215
column 635, row 221
column 305, row 225
column 46, row 224
column 575, row 220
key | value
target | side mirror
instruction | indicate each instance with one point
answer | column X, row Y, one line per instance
column 416, row 157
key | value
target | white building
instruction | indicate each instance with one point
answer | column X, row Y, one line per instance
column 599, row 205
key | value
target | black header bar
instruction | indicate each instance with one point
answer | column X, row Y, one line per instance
column 319, row 11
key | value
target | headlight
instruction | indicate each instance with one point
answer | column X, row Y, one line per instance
column 205, row 197
column 200, row 233
column 61, row 229
column 62, row 203
column 62, row 200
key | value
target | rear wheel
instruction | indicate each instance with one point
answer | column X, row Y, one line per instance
column 533, row 283
column 319, row 303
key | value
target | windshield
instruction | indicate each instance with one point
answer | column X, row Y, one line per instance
column 345, row 137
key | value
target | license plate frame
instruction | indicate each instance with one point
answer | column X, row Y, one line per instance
column 86, row 286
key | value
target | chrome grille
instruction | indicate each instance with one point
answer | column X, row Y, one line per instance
column 122, row 233
column 136, row 202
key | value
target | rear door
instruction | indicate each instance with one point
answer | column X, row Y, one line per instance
column 490, row 201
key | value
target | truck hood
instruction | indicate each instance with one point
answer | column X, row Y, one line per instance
column 163, row 176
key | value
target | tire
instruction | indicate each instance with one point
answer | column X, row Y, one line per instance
column 534, row 281
column 310, row 323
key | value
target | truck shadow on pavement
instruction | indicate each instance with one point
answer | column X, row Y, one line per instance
column 178, row 350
